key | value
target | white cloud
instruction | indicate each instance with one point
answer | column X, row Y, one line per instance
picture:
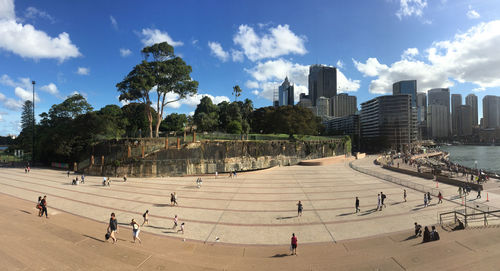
column 217, row 51
column 270, row 74
column 472, row 14
column 470, row 57
column 194, row 42
column 278, row 42
column 83, row 71
column 408, row 8
column 7, row 10
column 409, row 53
column 25, row 95
column 339, row 64
column 152, row 36
column 251, row 84
column 33, row 13
column 237, row 55
column 10, row 103
column 50, row 88
column 125, row 52
column 114, row 23
column 255, row 92
column 25, row 41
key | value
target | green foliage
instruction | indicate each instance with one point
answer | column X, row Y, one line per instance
column 70, row 108
column 291, row 120
column 174, row 122
column 206, row 115
column 234, row 127
column 236, row 92
column 137, row 120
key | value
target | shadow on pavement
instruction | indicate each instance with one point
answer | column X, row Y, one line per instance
column 93, row 238
column 346, row 214
column 24, row 211
column 280, row 255
column 286, row 217
column 369, row 212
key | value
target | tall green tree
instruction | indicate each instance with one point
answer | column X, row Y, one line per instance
column 236, row 92
column 25, row 138
column 172, row 77
column 174, row 122
column 206, row 116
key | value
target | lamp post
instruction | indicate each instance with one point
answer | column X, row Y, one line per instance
column 33, row 141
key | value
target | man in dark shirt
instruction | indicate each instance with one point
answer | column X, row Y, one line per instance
column 43, row 204
column 357, row 205
column 113, row 227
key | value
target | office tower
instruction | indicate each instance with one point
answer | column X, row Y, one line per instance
column 491, row 111
column 322, row 107
column 465, row 118
column 322, row 82
column 440, row 96
column 421, row 107
column 343, row 105
column 406, row 87
column 388, row 121
column 471, row 100
column 456, row 102
column 286, row 93
column 438, row 122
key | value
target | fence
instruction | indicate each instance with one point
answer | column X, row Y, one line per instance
column 476, row 218
column 405, row 183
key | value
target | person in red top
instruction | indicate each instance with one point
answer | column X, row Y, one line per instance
column 294, row 244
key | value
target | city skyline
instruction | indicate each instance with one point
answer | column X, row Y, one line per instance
column 90, row 54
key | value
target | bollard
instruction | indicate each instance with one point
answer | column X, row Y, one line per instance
column 487, row 198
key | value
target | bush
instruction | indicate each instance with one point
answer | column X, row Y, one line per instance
column 234, row 127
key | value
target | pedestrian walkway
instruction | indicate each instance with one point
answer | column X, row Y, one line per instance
column 253, row 208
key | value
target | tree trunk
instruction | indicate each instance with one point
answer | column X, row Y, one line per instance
column 158, row 122
column 150, row 120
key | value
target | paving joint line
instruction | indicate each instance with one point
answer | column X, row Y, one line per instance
column 223, row 212
column 149, row 257
column 314, row 208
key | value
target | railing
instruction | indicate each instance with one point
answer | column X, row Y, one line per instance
column 409, row 184
column 468, row 218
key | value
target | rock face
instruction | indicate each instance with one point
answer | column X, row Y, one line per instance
column 154, row 158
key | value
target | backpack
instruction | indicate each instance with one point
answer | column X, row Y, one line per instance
column 383, row 196
column 144, row 215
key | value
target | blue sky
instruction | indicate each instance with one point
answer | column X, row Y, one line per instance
column 89, row 46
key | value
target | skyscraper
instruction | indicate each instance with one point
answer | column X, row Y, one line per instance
column 439, row 96
column 323, row 107
column 438, row 122
column 322, row 82
column 343, row 105
column 286, row 93
column 491, row 111
column 456, row 102
column 406, row 87
column 465, row 124
column 421, row 107
column 471, row 100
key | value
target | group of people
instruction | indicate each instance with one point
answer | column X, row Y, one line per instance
column 199, row 181
column 76, row 181
column 27, row 169
column 112, row 228
column 106, row 181
column 427, row 235
column 173, row 199
column 42, row 206
column 466, row 189
column 381, row 201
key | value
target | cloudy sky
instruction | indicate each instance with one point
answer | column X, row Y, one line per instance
column 88, row 46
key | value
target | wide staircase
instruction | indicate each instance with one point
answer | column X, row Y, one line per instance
column 67, row 242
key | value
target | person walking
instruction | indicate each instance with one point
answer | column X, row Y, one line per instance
column 43, row 204
column 382, row 198
column 293, row 244
column 429, row 197
column 125, row 178
column 440, row 197
column 299, row 208
column 478, row 193
column 172, row 199
column 83, row 179
column 39, row 206
column 357, row 205
column 425, row 200
column 175, row 199
column 135, row 230
column 145, row 216
column 404, row 194
column 182, row 228
column 460, row 191
column 176, row 220
column 112, row 227
column 379, row 202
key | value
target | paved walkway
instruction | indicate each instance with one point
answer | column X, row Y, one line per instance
column 254, row 208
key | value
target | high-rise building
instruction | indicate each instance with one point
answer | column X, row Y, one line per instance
column 406, row 87
column 322, row 107
column 456, row 102
column 465, row 118
column 286, row 93
column 388, row 121
column 439, row 96
column 471, row 100
column 438, row 122
column 343, row 105
column 491, row 111
column 322, row 82
column 421, row 107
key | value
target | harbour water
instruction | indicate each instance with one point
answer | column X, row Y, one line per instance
column 487, row 157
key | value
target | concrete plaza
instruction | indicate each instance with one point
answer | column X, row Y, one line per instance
column 257, row 208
